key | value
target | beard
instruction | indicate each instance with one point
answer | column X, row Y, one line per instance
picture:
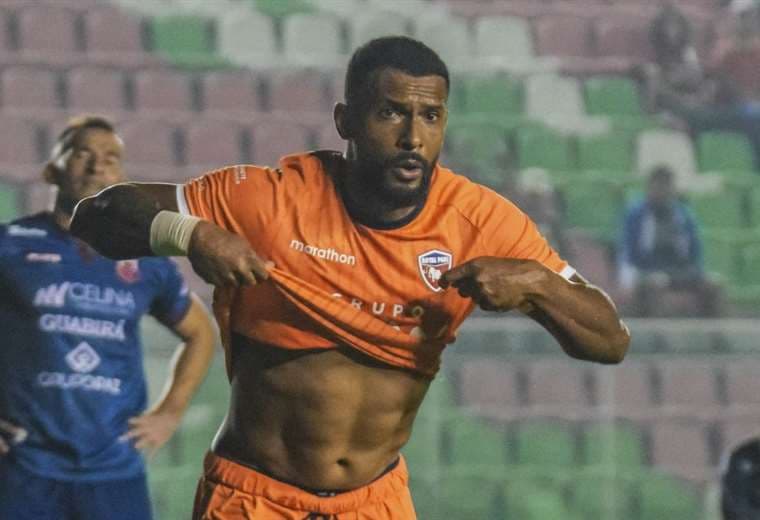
column 379, row 184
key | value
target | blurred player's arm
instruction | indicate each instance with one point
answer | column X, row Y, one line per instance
column 579, row 315
column 10, row 435
column 188, row 369
column 118, row 221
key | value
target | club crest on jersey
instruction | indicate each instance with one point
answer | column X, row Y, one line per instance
column 128, row 270
column 432, row 265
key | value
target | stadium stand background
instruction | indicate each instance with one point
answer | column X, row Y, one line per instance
column 511, row 428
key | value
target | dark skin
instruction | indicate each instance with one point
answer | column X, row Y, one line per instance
column 341, row 426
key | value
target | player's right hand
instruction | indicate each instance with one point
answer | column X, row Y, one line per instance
column 225, row 259
column 10, row 435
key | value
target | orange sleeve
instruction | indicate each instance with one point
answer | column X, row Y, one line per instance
column 507, row 231
column 243, row 199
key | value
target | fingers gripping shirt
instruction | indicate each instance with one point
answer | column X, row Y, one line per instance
column 339, row 282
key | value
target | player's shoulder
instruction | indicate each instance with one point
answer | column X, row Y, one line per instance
column 28, row 227
column 296, row 169
column 472, row 200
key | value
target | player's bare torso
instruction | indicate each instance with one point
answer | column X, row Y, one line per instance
column 328, row 419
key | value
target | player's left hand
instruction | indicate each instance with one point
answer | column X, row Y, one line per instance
column 497, row 284
column 152, row 430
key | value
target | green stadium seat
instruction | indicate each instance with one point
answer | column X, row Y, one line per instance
column 613, row 445
column 480, row 152
column 424, row 449
column 545, row 443
column 172, row 490
column 665, row 497
column 10, row 205
column 463, row 496
column 721, row 252
column 724, row 208
column 724, row 152
column 472, row 442
column 535, row 500
column 611, row 152
column 542, row 147
column 185, row 40
column 594, row 204
column 612, row 96
column 494, row 95
column 282, row 8
column 603, row 495
column 425, row 502
column 750, row 265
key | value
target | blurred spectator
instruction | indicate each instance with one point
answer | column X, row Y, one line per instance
column 660, row 255
column 534, row 193
column 740, row 483
column 676, row 79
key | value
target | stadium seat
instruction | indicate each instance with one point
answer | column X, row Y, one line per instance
column 272, row 139
column 666, row 497
column 721, row 252
column 504, row 40
column 211, row 144
column 20, row 140
column 624, row 36
column 479, row 151
column 96, row 88
column 47, row 31
column 562, row 35
column 742, row 383
column 468, row 496
column 299, row 91
column 488, row 386
column 750, row 264
column 10, row 201
column 614, row 446
column 725, row 152
column 603, row 495
column 247, row 39
column 545, row 443
column 173, row 489
column 149, row 142
column 681, row 446
column 669, row 148
column 556, row 386
column 162, row 90
column 615, row 96
column 473, row 442
column 495, row 95
column 366, row 26
column 735, row 429
column 450, row 38
column 542, row 147
column 313, row 40
column 29, row 88
column 626, row 391
column 533, row 500
column 611, row 152
column 282, row 8
column 328, row 138
column 724, row 208
column 230, row 91
column 688, row 385
column 111, row 32
column 185, row 40
column 595, row 204
column 548, row 96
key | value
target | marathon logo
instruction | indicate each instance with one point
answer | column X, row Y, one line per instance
column 65, row 324
column 329, row 254
column 85, row 296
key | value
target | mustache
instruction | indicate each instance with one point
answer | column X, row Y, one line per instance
column 405, row 157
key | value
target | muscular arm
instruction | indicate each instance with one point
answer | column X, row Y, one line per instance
column 580, row 316
column 116, row 221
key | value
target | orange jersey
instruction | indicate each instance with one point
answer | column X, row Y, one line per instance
column 339, row 282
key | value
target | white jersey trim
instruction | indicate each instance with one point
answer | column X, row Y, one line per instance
column 567, row 272
column 181, row 201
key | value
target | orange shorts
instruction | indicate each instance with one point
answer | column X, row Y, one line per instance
column 230, row 491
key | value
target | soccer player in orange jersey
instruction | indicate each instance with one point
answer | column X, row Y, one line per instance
column 339, row 280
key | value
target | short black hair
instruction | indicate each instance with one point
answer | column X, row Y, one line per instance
column 662, row 173
column 396, row 52
column 740, row 482
column 74, row 129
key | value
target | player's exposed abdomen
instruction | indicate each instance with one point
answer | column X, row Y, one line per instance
column 319, row 419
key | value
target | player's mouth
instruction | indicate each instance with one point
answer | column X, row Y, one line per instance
column 408, row 171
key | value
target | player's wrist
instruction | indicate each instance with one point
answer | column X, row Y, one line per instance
column 170, row 233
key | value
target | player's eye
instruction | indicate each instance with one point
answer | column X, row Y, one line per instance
column 433, row 115
column 388, row 113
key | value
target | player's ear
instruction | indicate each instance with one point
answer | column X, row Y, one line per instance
column 50, row 173
column 342, row 120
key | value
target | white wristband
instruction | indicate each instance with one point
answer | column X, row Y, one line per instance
column 170, row 233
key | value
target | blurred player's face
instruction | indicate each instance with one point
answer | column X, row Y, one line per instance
column 93, row 163
column 400, row 136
